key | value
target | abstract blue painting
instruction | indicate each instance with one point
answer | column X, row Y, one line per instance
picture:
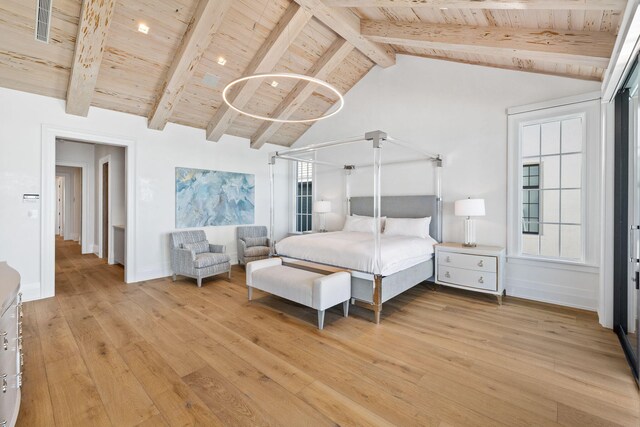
column 210, row 198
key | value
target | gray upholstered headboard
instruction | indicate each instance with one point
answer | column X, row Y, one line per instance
column 401, row 207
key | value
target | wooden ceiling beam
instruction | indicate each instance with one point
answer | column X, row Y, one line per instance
column 486, row 4
column 565, row 47
column 287, row 29
column 347, row 25
column 336, row 53
column 203, row 26
column 95, row 18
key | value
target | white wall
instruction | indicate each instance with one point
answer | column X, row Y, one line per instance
column 456, row 110
column 22, row 117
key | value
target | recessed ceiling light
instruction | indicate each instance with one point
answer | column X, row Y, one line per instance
column 222, row 61
column 143, row 29
column 444, row 8
column 274, row 84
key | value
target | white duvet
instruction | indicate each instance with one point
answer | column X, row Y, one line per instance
column 354, row 250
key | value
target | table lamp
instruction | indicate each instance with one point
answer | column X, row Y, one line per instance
column 322, row 207
column 469, row 207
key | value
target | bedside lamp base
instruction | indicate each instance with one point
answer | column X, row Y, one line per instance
column 469, row 233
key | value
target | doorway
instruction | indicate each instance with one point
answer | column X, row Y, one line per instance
column 105, row 196
column 49, row 136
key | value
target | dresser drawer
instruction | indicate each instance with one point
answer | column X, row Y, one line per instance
column 469, row 278
column 469, row 262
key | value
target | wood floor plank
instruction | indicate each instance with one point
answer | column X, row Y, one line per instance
column 109, row 372
column 164, row 353
column 231, row 405
column 175, row 400
column 36, row 408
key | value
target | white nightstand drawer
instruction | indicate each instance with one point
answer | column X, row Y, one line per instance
column 469, row 278
column 469, row 262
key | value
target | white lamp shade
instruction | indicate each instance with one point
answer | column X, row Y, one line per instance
column 469, row 207
column 322, row 206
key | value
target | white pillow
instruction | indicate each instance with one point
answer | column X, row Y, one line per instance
column 362, row 224
column 415, row 227
column 382, row 220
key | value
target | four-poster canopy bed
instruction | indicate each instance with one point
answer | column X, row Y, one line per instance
column 381, row 267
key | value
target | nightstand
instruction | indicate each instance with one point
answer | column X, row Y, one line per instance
column 478, row 269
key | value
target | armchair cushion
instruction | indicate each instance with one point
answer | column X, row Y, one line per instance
column 255, row 251
column 255, row 241
column 197, row 247
column 208, row 259
column 217, row 248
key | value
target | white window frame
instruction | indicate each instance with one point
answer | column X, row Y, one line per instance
column 588, row 108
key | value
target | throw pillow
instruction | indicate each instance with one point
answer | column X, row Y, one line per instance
column 255, row 241
column 197, row 247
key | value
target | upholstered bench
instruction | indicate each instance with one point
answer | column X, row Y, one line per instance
column 304, row 287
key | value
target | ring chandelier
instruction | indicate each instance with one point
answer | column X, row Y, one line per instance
column 285, row 76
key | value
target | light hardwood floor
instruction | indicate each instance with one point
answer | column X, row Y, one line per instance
column 163, row 353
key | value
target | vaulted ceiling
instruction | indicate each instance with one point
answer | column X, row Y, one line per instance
column 96, row 55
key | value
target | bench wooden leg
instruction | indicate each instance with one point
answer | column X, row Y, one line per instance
column 174, row 277
column 345, row 308
column 199, row 279
column 320, row 319
column 229, row 274
column 250, row 291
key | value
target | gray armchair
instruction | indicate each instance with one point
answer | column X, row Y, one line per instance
column 193, row 256
column 253, row 243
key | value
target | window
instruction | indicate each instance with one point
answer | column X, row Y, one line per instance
column 304, row 196
column 531, row 198
column 552, row 188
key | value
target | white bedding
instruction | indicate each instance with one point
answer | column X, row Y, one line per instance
column 354, row 250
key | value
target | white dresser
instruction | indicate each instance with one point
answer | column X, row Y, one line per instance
column 479, row 269
column 10, row 345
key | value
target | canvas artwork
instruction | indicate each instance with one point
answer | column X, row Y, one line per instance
column 210, row 198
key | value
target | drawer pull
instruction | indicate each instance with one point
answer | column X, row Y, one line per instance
column 447, row 275
column 448, row 259
column 481, row 263
column 3, row 423
column 4, row 383
column 481, row 280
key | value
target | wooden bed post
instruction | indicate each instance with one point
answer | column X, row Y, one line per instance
column 377, row 297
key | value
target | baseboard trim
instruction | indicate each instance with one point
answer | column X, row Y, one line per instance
column 166, row 271
column 151, row 274
column 31, row 292
column 549, row 294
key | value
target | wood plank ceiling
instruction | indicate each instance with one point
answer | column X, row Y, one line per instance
column 161, row 75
